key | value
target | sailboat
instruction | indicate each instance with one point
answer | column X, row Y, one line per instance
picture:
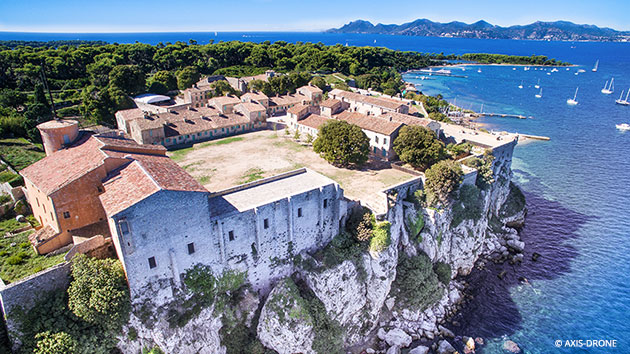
column 625, row 101
column 596, row 66
column 479, row 70
column 539, row 95
column 608, row 89
column 538, row 84
column 573, row 101
column 521, row 85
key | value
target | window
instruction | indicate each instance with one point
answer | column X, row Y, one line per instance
column 266, row 223
column 385, row 141
column 150, row 132
column 231, row 235
column 299, row 212
column 376, row 139
column 124, row 227
column 99, row 189
column 191, row 248
column 325, row 203
column 152, row 263
column 66, row 215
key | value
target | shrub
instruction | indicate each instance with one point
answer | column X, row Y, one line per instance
column 154, row 350
column 341, row 248
column 200, row 281
column 485, row 174
column 132, row 334
column 442, row 179
column 5, row 198
column 98, row 292
column 381, row 238
column 364, row 230
column 415, row 224
column 443, row 271
column 15, row 260
column 55, row 343
column 416, row 285
column 469, row 205
column 418, row 146
column 342, row 144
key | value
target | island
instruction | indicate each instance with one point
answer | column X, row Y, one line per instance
column 241, row 197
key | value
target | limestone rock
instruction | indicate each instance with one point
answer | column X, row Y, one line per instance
column 419, row 350
column 446, row 332
column 516, row 245
column 285, row 324
column 445, row 348
column 511, row 346
column 393, row 350
column 398, row 337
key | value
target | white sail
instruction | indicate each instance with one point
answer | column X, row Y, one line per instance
column 596, row 66
column 573, row 101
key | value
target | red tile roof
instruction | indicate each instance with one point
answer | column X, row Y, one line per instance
column 330, row 103
column 298, row 109
column 65, row 166
column 404, row 118
column 42, row 235
column 313, row 121
column 373, row 124
column 371, row 100
column 144, row 176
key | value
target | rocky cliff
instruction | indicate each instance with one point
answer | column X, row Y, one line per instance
column 373, row 299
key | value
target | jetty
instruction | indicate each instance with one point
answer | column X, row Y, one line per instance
column 503, row 115
column 535, row 137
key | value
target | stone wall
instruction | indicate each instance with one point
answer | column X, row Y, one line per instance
column 26, row 292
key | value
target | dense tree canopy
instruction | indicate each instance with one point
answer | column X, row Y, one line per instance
column 98, row 293
column 418, row 146
column 442, row 180
column 342, row 144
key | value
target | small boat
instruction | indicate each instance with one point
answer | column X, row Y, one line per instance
column 526, row 68
column 581, row 71
column 554, row 70
column 573, row 101
column 539, row 95
column 596, row 66
column 513, row 68
column 608, row 89
column 548, row 73
column 215, row 34
column 538, row 84
column 625, row 101
column 568, row 69
column 623, row 126
column 479, row 70
column 521, row 85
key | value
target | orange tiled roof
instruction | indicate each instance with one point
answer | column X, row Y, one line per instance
column 404, row 118
column 144, row 176
column 287, row 99
column 197, row 125
column 313, row 121
column 224, row 100
column 330, row 103
column 42, row 235
column 371, row 100
column 373, row 124
column 298, row 109
column 256, row 96
column 130, row 114
column 252, row 107
column 313, row 89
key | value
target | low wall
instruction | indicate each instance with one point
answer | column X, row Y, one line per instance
column 26, row 292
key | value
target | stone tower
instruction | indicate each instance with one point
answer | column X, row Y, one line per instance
column 58, row 133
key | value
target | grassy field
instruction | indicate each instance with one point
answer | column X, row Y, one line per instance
column 20, row 153
column 17, row 257
column 249, row 157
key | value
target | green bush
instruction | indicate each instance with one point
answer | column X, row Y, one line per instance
column 200, row 281
column 415, row 224
column 55, row 343
column 154, row 350
column 98, row 292
column 381, row 239
column 485, row 173
column 15, row 260
column 443, row 271
column 341, row 248
column 416, row 285
column 365, row 229
column 468, row 205
column 342, row 144
column 418, row 146
column 442, row 180
column 5, row 198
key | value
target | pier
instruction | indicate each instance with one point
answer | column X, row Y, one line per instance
column 535, row 137
column 503, row 115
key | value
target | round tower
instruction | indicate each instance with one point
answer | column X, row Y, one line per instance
column 58, row 133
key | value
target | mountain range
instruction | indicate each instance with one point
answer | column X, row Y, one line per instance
column 552, row 31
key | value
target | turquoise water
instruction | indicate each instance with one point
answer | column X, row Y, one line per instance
column 579, row 206
column 577, row 184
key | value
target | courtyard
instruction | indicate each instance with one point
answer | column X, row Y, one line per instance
column 224, row 163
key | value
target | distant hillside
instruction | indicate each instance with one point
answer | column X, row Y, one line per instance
column 553, row 31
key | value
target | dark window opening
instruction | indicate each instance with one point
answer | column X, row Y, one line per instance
column 124, row 227
column 152, row 263
column 231, row 235
column 100, row 189
column 66, row 214
column 266, row 223
column 191, row 248
column 299, row 212
column 325, row 203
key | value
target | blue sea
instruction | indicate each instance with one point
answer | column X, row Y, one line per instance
column 577, row 184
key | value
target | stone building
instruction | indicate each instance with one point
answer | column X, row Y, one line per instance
column 256, row 97
column 242, row 83
column 331, row 106
column 224, row 104
column 381, row 132
column 369, row 105
column 63, row 188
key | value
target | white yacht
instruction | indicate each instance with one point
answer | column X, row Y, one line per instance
column 521, row 85
column 596, row 66
column 623, row 102
column 573, row 101
column 538, row 84
column 623, row 126
column 608, row 89
column 539, row 95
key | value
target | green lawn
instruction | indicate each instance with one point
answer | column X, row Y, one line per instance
column 20, row 153
column 17, row 257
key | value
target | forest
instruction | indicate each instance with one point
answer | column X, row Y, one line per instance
column 94, row 80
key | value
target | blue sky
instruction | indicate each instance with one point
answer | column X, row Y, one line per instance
column 286, row 15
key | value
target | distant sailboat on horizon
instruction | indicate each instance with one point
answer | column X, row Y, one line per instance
column 573, row 101
column 521, row 85
column 538, row 84
column 539, row 95
column 596, row 66
column 608, row 89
